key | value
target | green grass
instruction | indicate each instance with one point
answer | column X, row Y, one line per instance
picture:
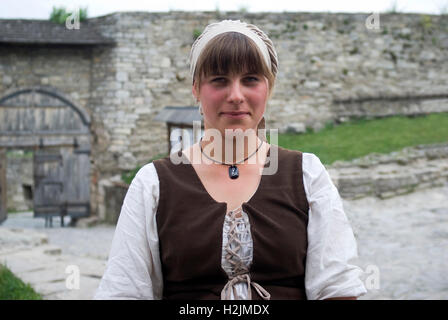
column 12, row 288
column 359, row 138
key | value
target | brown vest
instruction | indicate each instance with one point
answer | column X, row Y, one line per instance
column 190, row 224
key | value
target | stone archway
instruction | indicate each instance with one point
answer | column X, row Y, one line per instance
column 58, row 132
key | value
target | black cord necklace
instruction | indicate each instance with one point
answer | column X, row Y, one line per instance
column 233, row 169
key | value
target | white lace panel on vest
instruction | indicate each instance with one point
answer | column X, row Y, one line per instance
column 237, row 249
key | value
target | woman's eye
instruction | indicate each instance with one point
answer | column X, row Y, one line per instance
column 223, row 80
column 219, row 80
column 251, row 79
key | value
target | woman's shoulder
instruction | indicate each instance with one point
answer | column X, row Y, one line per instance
column 310, row 160
column 315, row 175
column 147, row 175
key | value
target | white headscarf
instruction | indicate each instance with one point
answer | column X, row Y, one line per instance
column 214, row 29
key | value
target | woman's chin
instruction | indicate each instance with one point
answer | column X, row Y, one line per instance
column 238, row 129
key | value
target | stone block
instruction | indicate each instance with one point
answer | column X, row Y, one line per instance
column 122, row 76
column 296, row 127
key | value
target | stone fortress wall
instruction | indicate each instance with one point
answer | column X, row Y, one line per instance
column 331, row 68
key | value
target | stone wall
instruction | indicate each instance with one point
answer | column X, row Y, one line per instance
column 389, row 175
column 19, row 179
column 331, row 68
column 114, row 194
column 65, row 69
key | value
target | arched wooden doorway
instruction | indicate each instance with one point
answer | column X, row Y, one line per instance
column 58, row 131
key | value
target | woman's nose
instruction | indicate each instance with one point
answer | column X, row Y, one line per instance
column 236, row 95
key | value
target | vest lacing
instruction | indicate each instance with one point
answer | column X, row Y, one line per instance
column 239, row 271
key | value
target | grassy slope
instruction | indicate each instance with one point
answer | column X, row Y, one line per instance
column 12, row 288
column 359, row 138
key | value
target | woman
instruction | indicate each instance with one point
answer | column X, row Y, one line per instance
column 221, row 225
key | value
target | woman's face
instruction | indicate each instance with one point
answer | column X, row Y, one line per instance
column 232, row 101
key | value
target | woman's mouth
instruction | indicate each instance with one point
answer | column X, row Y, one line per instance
column 235, row 115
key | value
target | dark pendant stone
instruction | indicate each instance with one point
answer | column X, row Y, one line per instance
column 233, row 172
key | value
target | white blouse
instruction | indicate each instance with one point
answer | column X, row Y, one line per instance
column 134, row 268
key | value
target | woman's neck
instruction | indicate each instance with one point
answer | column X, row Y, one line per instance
column 231, row 148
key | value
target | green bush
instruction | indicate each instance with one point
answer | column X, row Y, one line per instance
column 60, row 14
column 196, row 33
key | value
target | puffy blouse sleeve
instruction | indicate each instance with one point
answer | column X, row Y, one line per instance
column 133, row 268
column 331, row 242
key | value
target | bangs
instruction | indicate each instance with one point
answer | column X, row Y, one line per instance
column 231, row 53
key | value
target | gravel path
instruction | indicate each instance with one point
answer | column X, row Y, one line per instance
column 91, row 242
column 404, row 238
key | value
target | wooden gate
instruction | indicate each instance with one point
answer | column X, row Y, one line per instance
column 61, row 182
column 48, row 184
column 3, row 207
column 59, row 133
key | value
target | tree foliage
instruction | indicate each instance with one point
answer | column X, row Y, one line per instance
column 60, row 14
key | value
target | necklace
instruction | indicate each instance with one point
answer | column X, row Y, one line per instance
column 233, row 169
